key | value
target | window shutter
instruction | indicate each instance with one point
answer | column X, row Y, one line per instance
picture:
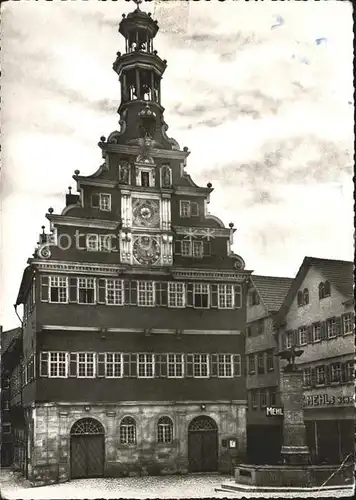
column 72, row 289
column 238, row 296
column 178, row 247
column 126, row 292
column 44, row 364
column 313, row 377
column 342, row 324
column 214, row 295
column 327, row 374
column 101, row 364
column 190, row 294
column 101, row 291
column 133, row 292
column 237, row 365
column 73, row 356
column 157, row 363
column 163, row 365
column 343, row 372
column 207, row 247
column 327, row 288
column 126, row 365
column 310, row 333
column 295, row 340
column 133, row 365
column 189, row 365
column 338, row 326
column 194, row 209
column 323, row 330
column 95, row 200
column 44, row 288
column 214, row 365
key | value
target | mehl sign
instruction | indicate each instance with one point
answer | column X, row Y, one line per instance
column 274, row 410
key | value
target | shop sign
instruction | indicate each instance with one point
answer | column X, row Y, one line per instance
column 274, row 410
column 327, row 399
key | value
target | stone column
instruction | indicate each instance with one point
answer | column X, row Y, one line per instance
column 294, row 449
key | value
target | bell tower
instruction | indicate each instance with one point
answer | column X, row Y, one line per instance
column 140, row 71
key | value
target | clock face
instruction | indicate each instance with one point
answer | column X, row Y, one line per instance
column 146, row 250
column 145, row 212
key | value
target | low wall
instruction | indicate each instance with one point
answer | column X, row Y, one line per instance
column 283, row 475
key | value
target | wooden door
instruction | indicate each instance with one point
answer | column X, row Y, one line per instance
column 87, row 456
column 203, row 445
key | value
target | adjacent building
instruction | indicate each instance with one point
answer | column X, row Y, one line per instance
column 317, row 315
column 264, row 433
column 134, row 308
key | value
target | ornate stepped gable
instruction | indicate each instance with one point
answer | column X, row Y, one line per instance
column 140, row 208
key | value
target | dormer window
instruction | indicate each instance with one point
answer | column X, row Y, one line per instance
column 189, row 209
column 102, row 201
column 192, row 248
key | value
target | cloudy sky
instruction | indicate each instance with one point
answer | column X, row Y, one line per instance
column 260, row 92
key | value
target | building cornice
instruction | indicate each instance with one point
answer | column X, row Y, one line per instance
column 235, row 402
column 135, row 150
column 207, row 232
column 152, row 331
column 57, row 266
column 65, row 220
column 192, row 191
column 210, row 274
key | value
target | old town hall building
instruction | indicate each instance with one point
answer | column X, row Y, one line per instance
column 134, row 308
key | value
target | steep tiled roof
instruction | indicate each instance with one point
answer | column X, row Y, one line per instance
column 338, row 272
column 272, row 290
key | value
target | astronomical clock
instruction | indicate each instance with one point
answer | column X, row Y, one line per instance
column 145, row 213
column 146, row 249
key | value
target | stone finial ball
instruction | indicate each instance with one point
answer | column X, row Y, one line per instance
column 155, row 52
column 209, row 185
column 123, row 15
column 185, row 148
column 103, row 138
column 231, row 225
column 50, row 210
column 77, row 172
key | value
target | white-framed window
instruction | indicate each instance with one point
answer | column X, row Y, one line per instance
column 194, row 248
column 307, row 377
column 316, row 332
column 86, row 290
column 145, row 296
column 86, row 365
column 251, row 364
column 58, row 289
column 145, row 365
column 289, row 339
column 200, row 295
column 263, row 398
column 6, row 428
column 102, row 201
column 331, row 328
column 58, row 365
column 98, row 242
column 105, row 202
column 128, row 431
column 270, row 360
column 348, row 324
column 114, row 292
column 176, row 294
column 164, row 430
column 303, row 335
column 335, row 372
column 145, row 176
column 320, row 375
column 175, row 365
column 188, row 209
column 113, row 365
column 200, row 365
column 225, row 296
column 225, row 365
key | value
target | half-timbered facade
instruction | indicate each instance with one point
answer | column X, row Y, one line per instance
column 134, row 307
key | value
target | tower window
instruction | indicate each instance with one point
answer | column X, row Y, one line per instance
column 145, row 179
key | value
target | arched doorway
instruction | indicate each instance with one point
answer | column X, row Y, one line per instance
column 87, row 448
column 203, row 445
